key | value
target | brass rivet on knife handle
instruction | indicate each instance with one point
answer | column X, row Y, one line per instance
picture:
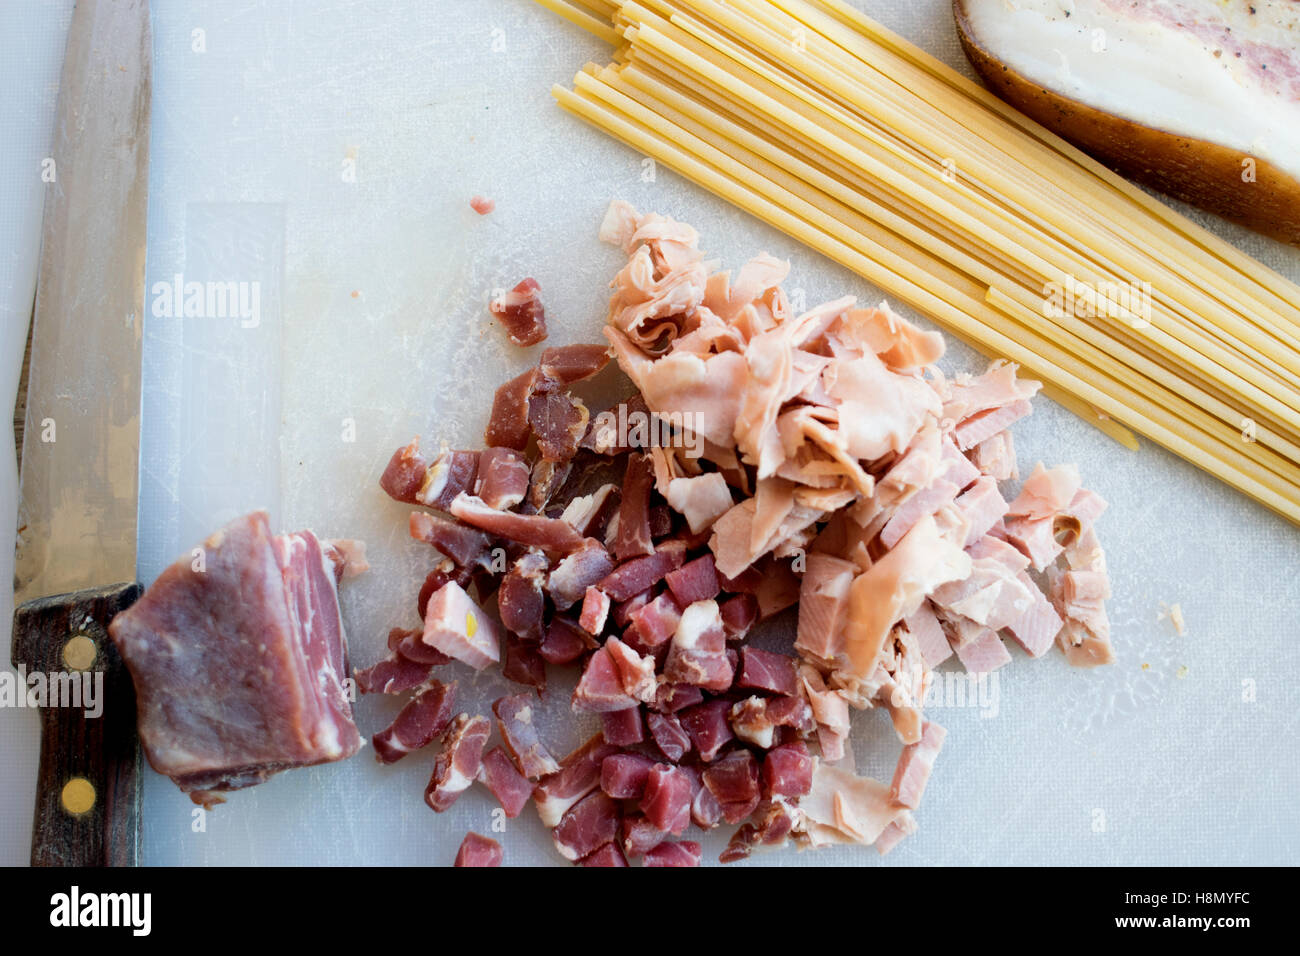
column 80, row 652
column 77, row 796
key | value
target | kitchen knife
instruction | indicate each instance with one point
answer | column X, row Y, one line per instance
column 75, row 565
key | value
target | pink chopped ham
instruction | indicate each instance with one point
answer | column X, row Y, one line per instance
column 924, row 502
column 930, row 639
column 520, row 311
column 575, row 777
column 842, row 807
column 984, row 653
column 914, row 766
column 502, row 479
column 515, row 722
column 767, row 671
column 1046, row 493
column 1035, row 538
column 511, row 788
column 423, row 719
column 701, row 499
column 586, row 826
column 538, row 531
column 986, row 424
column 667, row 798
column 983, row 506
column 478, row 850
column 674, row 853
column 595, row 611
column 457, row 627
column 459, row 763
column 996, row 457
column 1036, row 628
column 902, row 826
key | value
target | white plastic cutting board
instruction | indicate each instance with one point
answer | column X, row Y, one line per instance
column 374, row 328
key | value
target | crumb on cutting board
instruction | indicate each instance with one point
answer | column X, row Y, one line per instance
column 1174, row 612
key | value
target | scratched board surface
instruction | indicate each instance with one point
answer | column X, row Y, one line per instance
column 323, row 155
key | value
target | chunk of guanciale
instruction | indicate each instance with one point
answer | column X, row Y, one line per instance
column 239, row 665
column 575, row 777
column 500, row 775
column 521, row 312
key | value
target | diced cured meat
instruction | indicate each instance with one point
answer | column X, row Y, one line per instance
column 404, row 475
column 733, row 779
column 914, row 766
column 623, row 776
column 674, row 853
column 1036, row 628
column 623, row 728
column 457, row 627
column 793, row 712
column 595, row 611
column 601, row 687
column 607, row 855
column 579, row 570
column 515, row 722
column 547, row 479
column 983, row 654
column 451, row 473
column 478, row 850
column 669, row 735
column 435, row 579
column 508, row 422
column 667, row 800
column 634, row 576
column 640, row 836
column 460, row 543
column 670, row 698
column 787, row 771
column 632, row 537
column 558, row 420
column 520, row 600
column 567, row 364
column 765, row 670
column 588, row 825
column 538, row 531
column 564, row 642
column 708, row 726
column 697, row 654
column 239, row 667
column 902, row 826
column 395, row 674
column 636, row 672
column 695, row 580
column 739, row 613
column 502, row 479
column 842, row 807
column 511, row 788
column 459, row 763
column 524, row 663
column 423, row 719
column 590, row 514
column 983, row 506
column 752, row 724
column 577, row 776
column 652, row 625
column 925, row 628
column 823, row 604
column 986, row 424
column 520, row 311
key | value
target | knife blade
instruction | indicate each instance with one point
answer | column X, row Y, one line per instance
column 75, row 564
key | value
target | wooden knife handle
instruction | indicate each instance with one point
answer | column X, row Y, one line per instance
column 88, row 783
